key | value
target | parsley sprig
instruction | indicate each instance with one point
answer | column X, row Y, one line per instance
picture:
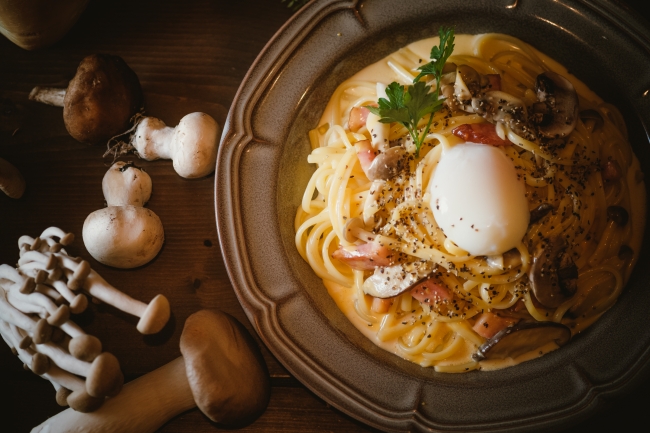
column 408, row 106
column 439, row 56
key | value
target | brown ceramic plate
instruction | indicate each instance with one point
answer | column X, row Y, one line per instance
column 262, row 170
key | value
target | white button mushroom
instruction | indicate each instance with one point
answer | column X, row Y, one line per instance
column 124, row 234
column 191, row 145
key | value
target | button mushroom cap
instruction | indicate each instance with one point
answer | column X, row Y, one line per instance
column 123, row 236
column 221, row 371
column 101, row 99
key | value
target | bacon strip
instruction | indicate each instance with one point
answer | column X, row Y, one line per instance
column 366, row 154
column 488, row 324
column 431, row 292
column 365, row 257
column 381, row 305
column 482, row 133
column 358, row 117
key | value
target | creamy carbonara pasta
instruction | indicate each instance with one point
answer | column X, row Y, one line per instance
column 510, row 228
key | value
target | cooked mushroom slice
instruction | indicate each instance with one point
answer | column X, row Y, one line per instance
column 592, row 118
column 497, row 106
column 558, row 118
column 522, row 338
column 508, row 260
column 471, row 78
column 552, row 273
column 540, row 212
column 449, row 67
column 387, row 164
column 390, row 281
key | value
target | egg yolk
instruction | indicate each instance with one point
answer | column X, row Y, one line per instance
column 478, row 200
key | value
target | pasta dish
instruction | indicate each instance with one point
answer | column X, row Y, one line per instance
column 475, row 211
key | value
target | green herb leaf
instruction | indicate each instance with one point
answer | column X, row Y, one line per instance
column 408, row 106
column 439, row 56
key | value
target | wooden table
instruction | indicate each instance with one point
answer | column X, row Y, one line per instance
column 189, row 56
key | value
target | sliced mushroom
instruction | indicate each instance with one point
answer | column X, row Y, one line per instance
column 387, row 164
column 521, row 338
column 390, row 281
column 508, row 260
column 592, row 117
column 540, row 212
column 559, row 117
column 471, row 78
column 498, row 106
column 551, row 273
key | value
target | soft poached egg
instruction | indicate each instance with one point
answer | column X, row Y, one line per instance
column 478, row 200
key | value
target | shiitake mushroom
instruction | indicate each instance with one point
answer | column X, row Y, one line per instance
column 521, row 338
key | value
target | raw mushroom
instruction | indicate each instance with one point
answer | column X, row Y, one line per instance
column 221, row 371
column 521, row 338
column 100, row 100
column 191, row 145
column 36, row 299
column 79, row 276
column 556, row 114
column 12, row 182
column 124, row 234
column 553, row 274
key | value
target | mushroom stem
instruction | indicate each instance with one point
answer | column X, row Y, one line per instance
column 48, row 95
column 153, row 316
column 13, row 316
column 143, row 405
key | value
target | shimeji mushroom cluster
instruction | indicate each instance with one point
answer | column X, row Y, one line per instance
column 37, row 298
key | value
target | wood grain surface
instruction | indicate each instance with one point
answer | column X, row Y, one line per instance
column 189, row 56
